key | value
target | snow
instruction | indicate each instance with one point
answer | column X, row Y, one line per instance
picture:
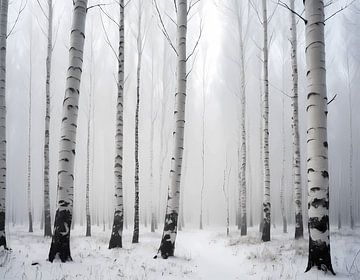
column 207, row 254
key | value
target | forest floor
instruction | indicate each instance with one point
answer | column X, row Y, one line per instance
column 207, row 254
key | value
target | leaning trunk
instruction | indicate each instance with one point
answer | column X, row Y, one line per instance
column 60, row 244
column 265, row 136
column 167, row 246
column 47, row 215
column 3, row 34
column 317, row 145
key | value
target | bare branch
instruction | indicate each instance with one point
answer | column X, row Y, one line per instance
column 107, row 40
column 98, row 6
column 191, row 5
column 21, row 9
column 163, row 28
column 284, row 5
column 196, row 44
column 256, row 11
column 332, row 99
column 42, row 10
column 280, row 90
column 338, row 11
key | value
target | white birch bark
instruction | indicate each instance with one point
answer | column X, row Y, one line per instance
column 88, row 168
column 351, row 148
column 203, row 147
column 60, row 245
column 282, row 182
column 167, row 246
column 29, row 142
column 4, row 5
column 152, row 130
column 242, row 174
column 317, row 145
column 295, row 130
column 265, row 136
column 47, row 215
column 118, row 223
column 135, row 238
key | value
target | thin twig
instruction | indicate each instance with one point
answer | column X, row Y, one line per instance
column 332, row 99
column 338, row 11
column 284, row 5
column 21, row 9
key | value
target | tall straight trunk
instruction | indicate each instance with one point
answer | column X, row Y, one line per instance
column 47, row 214
column 299, row 231
column 243, row 213
column 168, row 239
column 60, row 244
column 203, row 149
column 152, row 124
column 4, row 5
column 351, row 148
column 135, row 238
column 118, row 223
column 163, row 146
column 87, row 202
column 282, row 182
column 29, row 142
column 250, row 184
column 317, row 144
column 265, row 136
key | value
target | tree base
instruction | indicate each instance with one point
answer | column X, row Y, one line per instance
column 319, row 256
column 60, row 245
column 299, row 229
column 265, row 231
column 117, row 229
column 167, row 246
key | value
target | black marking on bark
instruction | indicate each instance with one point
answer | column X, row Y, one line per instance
column 319, row 256
column 60, row 245
column 325, row 144
column 310, row 170
column 167, row 248
column 325, row 174
column 320, row 202
column 299, row 229
column 117, row 228
column 321, row 225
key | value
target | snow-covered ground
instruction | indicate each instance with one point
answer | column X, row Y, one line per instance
column 207, row 254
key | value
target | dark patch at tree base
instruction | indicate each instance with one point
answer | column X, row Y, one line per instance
column 265, row 231
column 243, row 226
column 60, row 244
column 319, row 256
column 116, row 238
column 167, row 248
column 2, row 228
column 88, row 225
column 299, row 229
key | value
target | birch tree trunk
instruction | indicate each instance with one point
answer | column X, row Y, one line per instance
column 117, row 228
column 351, row 148
column 203, row 148
column 29, row 142
column 4, row 5
column 243, row 213
column 317, row 145
column 60, row 245
column 265, row 136
column 152, row 124
column 299, row 231
column 167, row 246
column 47, row 214
column 282, row 182
column 135, row 238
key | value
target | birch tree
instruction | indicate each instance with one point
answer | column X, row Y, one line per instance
column 4, row 5
column 265, row 135
column 295, row 129
column 29, row 141
column 118, row 223
column 60, row 245
column 47, row 215
column 317, row 144
column 140, row 47
column 168, row 239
